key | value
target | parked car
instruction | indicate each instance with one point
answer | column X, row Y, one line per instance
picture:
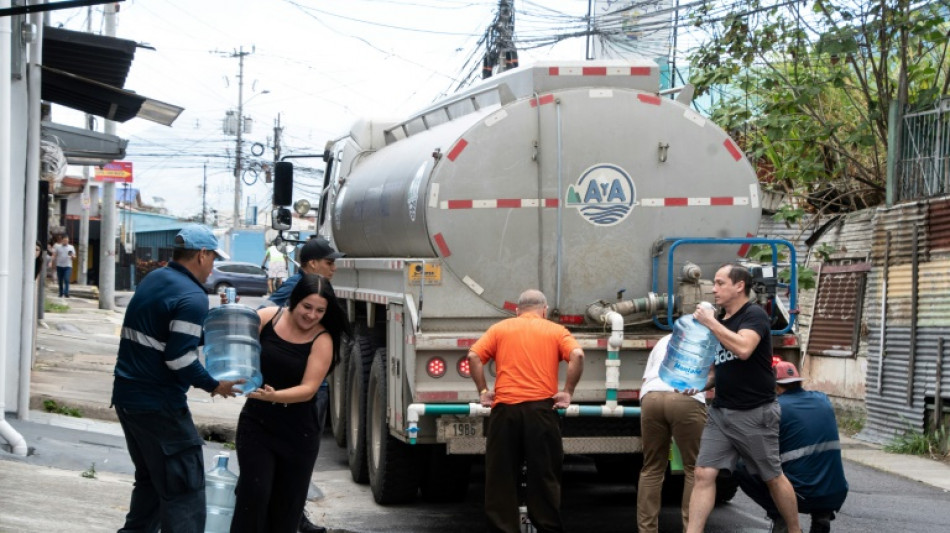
column 247, row 278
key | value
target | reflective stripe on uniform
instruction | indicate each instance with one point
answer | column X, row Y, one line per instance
column 809, row 450
column 143, row 339
column 186, row 359
column 188, row 328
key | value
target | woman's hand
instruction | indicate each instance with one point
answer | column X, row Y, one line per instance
column 263, row 393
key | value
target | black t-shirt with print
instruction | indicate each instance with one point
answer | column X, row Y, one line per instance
column 750, row 383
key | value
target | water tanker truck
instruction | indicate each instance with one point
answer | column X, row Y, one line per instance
column 576, row 178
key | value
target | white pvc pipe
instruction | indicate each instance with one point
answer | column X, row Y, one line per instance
column 6, row 430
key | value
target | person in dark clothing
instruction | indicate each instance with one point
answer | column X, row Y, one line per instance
column 810, row 451
column 157, row 364
column 316, row 257
column 523, row 425
column 277, row 436
column 743, row 420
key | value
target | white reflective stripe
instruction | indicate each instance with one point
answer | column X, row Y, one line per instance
column 183, row 361
column 809, row 450
column 188, row 328
column 143, row 339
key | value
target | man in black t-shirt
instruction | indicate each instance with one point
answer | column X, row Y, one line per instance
column 743, row 420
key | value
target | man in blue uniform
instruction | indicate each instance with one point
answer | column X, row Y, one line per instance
column 810, row 452
column 316, row 257
column 157, row 364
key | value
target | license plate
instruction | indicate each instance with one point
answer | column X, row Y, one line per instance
column 454, row 428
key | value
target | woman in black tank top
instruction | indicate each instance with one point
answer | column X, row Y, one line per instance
column 277, row 439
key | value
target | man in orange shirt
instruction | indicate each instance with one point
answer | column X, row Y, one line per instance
column 527, row 350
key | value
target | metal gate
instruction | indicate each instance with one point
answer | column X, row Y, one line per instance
column 923, row 167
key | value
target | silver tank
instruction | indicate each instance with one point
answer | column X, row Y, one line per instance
column 559, row 177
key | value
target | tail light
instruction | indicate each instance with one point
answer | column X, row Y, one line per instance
column 463, row 368
column 436, row 367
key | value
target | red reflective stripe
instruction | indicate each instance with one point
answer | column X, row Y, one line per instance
column 628, row 395
column 511, row 306
column 546, row 99
column 744, row 249
column 457, row 149
column 571, row 319
column 733, row 149
column 550, row 202
column 437, row 396
column 460, row 204
column 508, row 202
column 651, row 343
column 601, row 343
column 465, row 343
column 675, row 202
column 640, row 71
column 553, row 71
column 649, row 99
column 721, row 200
column 594, row 71
column 440, row 242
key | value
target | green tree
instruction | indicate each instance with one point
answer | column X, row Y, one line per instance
column 805, row 86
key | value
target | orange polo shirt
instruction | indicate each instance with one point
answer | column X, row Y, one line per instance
column 527, row 350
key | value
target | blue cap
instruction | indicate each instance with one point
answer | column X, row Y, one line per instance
column 197, row 237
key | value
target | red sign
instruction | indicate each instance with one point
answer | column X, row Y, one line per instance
column 116, row 171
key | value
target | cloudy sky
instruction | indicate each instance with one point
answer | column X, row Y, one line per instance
column 318, row 64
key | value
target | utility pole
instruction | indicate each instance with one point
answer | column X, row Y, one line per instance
column 238, row 163
column 107, row 225
column 85, row 201
column 204, row 194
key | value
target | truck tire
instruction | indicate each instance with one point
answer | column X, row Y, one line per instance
column 726, row 488
column 338, row 393
column 391, row 462
column 445, row 478
column 619, row 468
column 357, row 375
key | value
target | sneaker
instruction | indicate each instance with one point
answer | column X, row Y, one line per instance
column 306, row 526
column 821, row 522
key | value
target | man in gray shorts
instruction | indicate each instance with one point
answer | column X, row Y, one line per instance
column 744, row 418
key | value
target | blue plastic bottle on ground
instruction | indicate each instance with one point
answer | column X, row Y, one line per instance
column 219, row 496
column 691, row 352
column 232, row 349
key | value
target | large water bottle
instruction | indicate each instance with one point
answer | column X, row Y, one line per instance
column 232, row 349
column 691, row 352
column 219, row 496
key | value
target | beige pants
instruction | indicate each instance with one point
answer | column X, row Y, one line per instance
column 666, row 415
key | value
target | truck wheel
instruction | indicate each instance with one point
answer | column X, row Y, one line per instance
column 338, row 393
column 391, row 463
column 445, row 477
column 356, row 418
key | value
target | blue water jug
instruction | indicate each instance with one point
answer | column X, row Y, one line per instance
column 232, row 349
column 219, row 496
column 691, row 352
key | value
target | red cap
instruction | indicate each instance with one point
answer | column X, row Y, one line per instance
column 786, row 372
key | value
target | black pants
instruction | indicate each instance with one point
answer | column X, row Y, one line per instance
column 272, row 487
column 169, row 490
column 521, row 432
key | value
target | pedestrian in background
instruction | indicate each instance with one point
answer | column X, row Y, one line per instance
column 63, row 254
column 665, row 415
column 277, row 266
column 743, row 420
column 156, row 365
column 316, row 257
column 523, row 425
column 811, row 455
column 278, row 434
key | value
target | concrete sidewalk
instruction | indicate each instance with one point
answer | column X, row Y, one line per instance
column 75, row 356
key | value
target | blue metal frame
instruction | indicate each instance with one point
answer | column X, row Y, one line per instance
column 773, row 243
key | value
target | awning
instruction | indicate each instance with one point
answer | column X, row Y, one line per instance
column 84, row 147
column 87, row 72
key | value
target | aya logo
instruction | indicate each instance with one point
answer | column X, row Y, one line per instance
column 603, row 195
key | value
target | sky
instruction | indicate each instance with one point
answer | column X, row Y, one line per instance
column 317, row 64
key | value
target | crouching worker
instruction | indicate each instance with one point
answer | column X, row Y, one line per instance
column 810, row 453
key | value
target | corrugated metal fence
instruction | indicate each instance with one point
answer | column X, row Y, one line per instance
column 908, row 312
